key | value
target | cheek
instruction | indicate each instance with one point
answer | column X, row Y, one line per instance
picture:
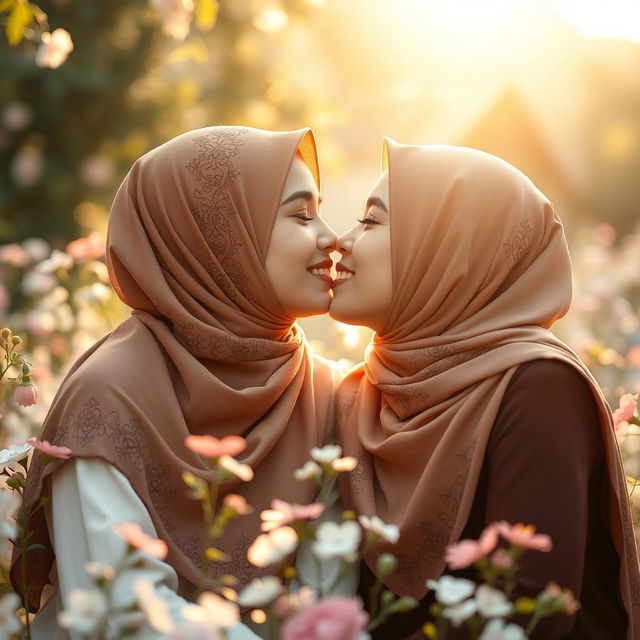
column 290, row 251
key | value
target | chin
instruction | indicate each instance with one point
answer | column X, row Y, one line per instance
column 312, row 307
column 342, row 313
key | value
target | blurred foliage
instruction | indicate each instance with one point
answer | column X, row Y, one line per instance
column 69, row 135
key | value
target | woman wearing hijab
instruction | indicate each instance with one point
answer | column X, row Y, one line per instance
column 467, row 409
column 216, row 243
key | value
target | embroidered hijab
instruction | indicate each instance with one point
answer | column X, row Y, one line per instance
column 480, row 270
column 206, row 350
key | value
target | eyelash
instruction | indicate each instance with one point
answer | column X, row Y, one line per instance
column 367, row 221
column 301, row 216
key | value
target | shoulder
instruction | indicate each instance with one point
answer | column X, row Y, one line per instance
column 548, row 402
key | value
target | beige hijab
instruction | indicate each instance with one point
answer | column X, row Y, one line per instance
column 480, row 271
column 207, row 350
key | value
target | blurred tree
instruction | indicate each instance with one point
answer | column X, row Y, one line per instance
column 140, row 72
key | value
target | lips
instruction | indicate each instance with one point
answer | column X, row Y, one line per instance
column 322, row 271
column 343, row 274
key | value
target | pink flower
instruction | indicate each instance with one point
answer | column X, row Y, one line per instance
column 467, row 552
column 52, row 450
column 525, row 536
column 500, row 559
column 26, row 394
column 628, row 406
column 282, row 512
column 633, row 357
column 330, row 619
column 211, row 447
column 134, row 535
column 92, row 246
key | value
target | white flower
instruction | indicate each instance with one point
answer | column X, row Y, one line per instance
column 17, row 116
column 450, row 590
column 175, row 16
column 34, row 283
column 335, row 540
column 9, row 623
column 242, row 471
column 100, row 571
column 492, row 603
column 55, row 49
column 212, row 611
column 57, row 260
column 152, row 605
column 85, row 612
column 9, row 503
column 260, row 592
column 11, row 456
column 347, row 463
column 37, row 248
column 309, row 471
column 497, row 630
column 389, row 532
column 269, row 548
column 327, row 454
column 458, row 613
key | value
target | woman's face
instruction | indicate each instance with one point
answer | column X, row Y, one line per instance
column 363, row 288
column 298, row 262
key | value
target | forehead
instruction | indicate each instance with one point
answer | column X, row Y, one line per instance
column 300, row 178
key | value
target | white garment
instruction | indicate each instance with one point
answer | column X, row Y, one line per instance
column 88, row 497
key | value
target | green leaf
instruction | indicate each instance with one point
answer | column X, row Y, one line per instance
column 19, row 19
column 206, row 13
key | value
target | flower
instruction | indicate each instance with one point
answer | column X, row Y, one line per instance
column 272, row 547
column 500, row 559
column 153, row 606
column 330, row 619
column 55, row 48
column 134, row 535
column 389, row 532
column 99, row 571
column 525, row 536
column 628, row 406
column 9, row 623
column 10, row 457
column 26, row 394
column 260, row 592
column 193, row 631
column 344, row 464
column 309, row 471
column 467, row 552
column 238, row 503
column 91, row 246
column 9, row 503
column 458, row 613
column 86, row 611
column 335, row 540
column 289, row 603
column 212, row 611
column 492, row 603
column 212, row 447
column 450, row 590
column 327, row 454
column 282, row 512
column 497, row 630
column 242, row 471
column 51, row 450
column 57, row 260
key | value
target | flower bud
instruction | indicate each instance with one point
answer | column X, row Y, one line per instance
column 6, row 333
column 386, row 565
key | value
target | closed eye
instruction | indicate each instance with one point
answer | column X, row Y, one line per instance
column 368, row 221
column 303, row 216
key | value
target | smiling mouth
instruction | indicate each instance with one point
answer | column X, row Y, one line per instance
column 342, row 275
column 322, row 271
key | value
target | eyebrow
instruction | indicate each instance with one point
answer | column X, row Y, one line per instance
column 376, row 202
column 304, row 195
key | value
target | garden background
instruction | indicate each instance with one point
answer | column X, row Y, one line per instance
column 551, row 86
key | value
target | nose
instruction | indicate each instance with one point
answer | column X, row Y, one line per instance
column 344, row 244
column 327, row 238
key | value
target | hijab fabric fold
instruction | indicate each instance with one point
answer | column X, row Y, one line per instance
column 206, row 350
column 480, row 270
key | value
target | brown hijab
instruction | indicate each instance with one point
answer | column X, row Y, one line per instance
column 206, row 350
column 480, row 270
